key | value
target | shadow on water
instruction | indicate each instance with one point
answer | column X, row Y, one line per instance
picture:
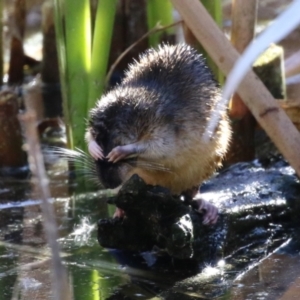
column 255, row 272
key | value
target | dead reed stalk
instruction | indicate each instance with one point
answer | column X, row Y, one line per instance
column 60, row 288
column 255, row 95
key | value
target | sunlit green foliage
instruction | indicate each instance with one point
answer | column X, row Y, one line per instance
column 159, row 11
column 83, row 59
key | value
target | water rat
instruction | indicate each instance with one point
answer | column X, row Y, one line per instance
column 152, row 124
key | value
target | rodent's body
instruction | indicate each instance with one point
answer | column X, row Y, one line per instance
column 152, row 124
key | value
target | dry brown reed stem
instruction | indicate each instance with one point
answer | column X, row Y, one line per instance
column 242, row 147
column 242, row 33
column 292, row 64
column 11, row 154
column 60, row 288
column 243, row 15
column 255, row 95
column 16, row 61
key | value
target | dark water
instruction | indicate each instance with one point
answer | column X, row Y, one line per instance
column 257, row 272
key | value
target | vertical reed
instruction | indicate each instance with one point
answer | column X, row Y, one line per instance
column 82, row 59
column 159, row 11
column 242, row 33
column 60, row 288
column 103, row 30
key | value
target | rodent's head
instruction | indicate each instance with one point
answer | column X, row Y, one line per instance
column 108, row 131
column 111, row 175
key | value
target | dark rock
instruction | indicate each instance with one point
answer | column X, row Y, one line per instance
column 256, row 203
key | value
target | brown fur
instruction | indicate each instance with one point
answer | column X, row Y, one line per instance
column 163, row 105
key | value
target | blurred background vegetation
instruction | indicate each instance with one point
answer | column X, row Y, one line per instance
column 65, row 49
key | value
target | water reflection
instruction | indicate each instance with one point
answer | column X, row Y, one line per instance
column 269, row 280
column 97, row 273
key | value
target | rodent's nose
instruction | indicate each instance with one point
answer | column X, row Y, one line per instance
column 108, row 173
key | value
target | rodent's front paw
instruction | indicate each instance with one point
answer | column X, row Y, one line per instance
column 95, row 150
column 121, row 152
column 116, row 154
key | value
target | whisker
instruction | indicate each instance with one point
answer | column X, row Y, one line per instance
column 71, row 155
column 153, row 166
column 156, row 165
column 85, row 165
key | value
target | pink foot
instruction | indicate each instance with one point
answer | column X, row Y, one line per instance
column 95, row 150
column 210, row 211
column 119, row 213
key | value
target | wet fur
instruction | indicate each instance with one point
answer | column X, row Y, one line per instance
column 164, row 101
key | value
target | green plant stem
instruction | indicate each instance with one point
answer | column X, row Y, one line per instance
column 78, row 60
column 159, row 11
column 104, row 23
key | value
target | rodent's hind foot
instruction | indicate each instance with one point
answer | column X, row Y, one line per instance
column 210, row 212
column 119, row 213
column 95, row 150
